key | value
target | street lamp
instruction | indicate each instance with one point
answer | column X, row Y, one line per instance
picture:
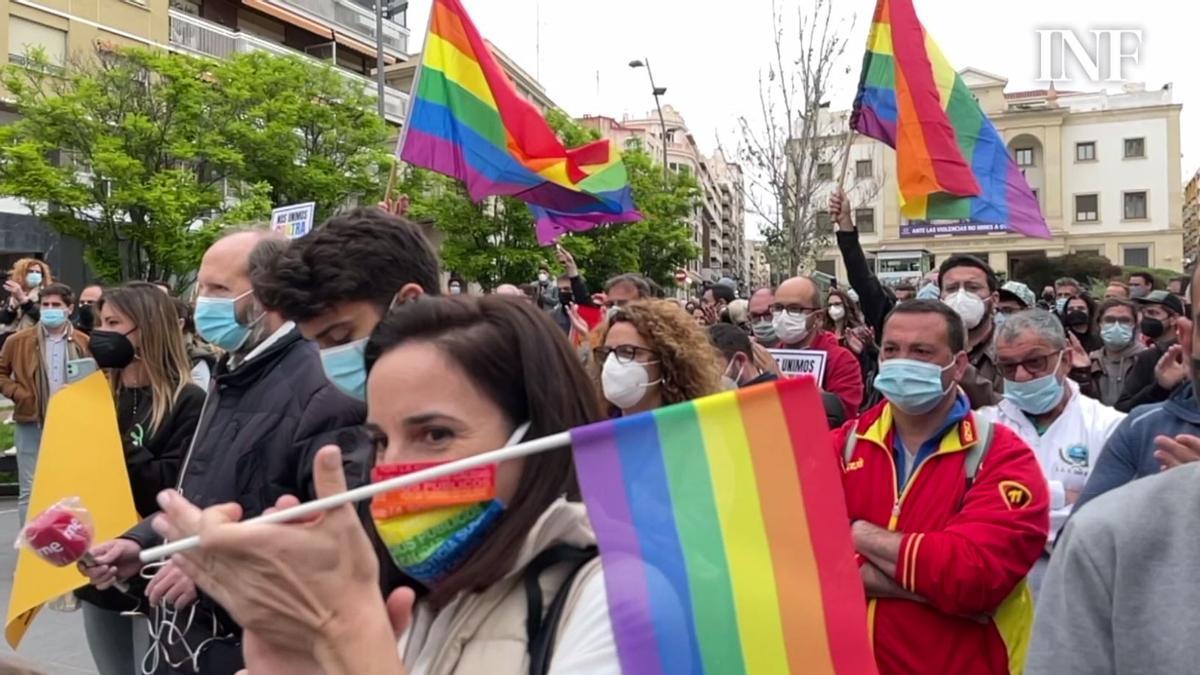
column 657, row 91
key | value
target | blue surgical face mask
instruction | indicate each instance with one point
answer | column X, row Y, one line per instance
column 999, row 319
column 53, row 317
column 33, row 279
column 1035, row 397
column 345, row 368
column 1060, row 304
column 1116, row 335
column 915, row 387
column 216, row 321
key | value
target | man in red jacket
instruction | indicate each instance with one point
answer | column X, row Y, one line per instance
column 798, row 311
column 948, row 512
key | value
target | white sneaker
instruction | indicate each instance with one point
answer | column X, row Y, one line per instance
column 11, row 451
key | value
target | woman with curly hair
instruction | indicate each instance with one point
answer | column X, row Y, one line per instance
column 19, row 310
column 653, row 354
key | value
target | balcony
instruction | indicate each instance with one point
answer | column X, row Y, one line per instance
column 357, row 19
column 205, row 38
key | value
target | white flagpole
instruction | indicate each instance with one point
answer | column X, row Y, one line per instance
column 367, row 491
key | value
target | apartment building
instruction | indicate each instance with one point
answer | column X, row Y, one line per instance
column 1105, row 167
column 759, row 270
column 401, row 75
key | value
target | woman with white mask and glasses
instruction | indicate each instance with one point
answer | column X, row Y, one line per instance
column 653, row 354
column 448, row 378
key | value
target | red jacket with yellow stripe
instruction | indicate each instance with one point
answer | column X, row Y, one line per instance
column 966, row 549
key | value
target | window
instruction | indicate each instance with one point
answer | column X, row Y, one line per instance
column 1087, row 251
column 825, row 171
column 865, row 220
column 1085, row 152
column 25, row 36
column 1135, row 148
column 864, row 168
column 1135, row 256
column 827, row 267
column 1135, row 205
column 824, row 221
column 1087, row 208
column 1024, row 156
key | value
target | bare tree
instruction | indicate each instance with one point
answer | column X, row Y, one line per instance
column 793, row 154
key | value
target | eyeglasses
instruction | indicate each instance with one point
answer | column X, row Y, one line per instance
column 624, row 353
column 762, row 316
column 794, row 310
column 1034, row 365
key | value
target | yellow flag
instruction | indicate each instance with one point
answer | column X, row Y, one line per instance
column 81, row 456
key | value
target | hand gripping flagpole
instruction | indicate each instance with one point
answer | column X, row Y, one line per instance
column 299, row 511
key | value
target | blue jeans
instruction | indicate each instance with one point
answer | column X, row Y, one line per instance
column 27, row 436
column 118, row 643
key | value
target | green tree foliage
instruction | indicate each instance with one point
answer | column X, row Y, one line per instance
column 1087, row 269
column 145, row 155
column 494, row 242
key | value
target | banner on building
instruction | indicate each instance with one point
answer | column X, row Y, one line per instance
column 294, row 221
column 919, row 228
column 795, row 362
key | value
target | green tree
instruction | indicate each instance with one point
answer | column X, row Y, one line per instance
column 306, row 131
column 495, row 241
column 145, row 155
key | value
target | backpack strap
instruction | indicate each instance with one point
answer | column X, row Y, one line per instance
column 851, row 443
column 984, row 429
column 541, row 624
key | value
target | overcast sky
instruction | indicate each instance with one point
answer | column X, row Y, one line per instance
column 708, row 54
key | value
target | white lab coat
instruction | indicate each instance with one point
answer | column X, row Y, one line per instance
column 1067, row 450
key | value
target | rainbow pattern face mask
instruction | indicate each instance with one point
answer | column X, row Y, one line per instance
column 431, row 528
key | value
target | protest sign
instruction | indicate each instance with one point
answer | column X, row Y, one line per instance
column 294, row 221
column 795, row 362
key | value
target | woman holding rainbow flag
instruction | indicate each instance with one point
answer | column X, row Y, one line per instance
column 307, row 594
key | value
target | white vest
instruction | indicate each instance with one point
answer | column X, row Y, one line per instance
column 1068, row 449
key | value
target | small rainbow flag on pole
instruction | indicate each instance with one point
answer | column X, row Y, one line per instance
column 952, row 164
column 469, row 122
column 724, row 537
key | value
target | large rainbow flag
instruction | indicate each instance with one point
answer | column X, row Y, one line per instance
column 724, row 537
column 952, row 164
column 468, row 121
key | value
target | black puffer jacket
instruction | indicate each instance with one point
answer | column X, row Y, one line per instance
column 262, row 424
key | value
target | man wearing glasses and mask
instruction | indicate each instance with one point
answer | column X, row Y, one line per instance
column 796, row 316
column 1066, row 429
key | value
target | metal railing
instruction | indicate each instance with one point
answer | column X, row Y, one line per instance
column 205, row 38
column 356, row 19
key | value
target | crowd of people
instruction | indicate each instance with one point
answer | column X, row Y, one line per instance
column 972, row 420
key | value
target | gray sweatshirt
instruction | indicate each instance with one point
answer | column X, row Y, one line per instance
column 1121, row 594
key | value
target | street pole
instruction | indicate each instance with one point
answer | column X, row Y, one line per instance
column 656, row 91
column 662, row 122
column 379, row 74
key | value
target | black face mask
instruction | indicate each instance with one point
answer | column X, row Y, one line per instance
column 111, row 349
column 566, row 297
column 1077, row 317
column 85, row 318
column 1153, row 328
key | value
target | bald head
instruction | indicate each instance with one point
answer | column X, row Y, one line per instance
column 799, row 291
column 509, row 289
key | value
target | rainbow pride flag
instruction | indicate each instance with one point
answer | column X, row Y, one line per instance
column 468, row 121
column 952, row 164
column 724, row 537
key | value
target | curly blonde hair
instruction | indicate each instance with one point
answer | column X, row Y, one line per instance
column 21, row 268
column 687, row 359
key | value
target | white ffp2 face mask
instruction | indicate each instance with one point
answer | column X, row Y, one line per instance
column 625, row 384
column 969, row 307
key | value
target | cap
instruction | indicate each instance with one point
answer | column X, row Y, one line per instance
column 1019, row 292
column 1165, row 299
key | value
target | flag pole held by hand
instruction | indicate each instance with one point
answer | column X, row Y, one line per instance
column 301, row 511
